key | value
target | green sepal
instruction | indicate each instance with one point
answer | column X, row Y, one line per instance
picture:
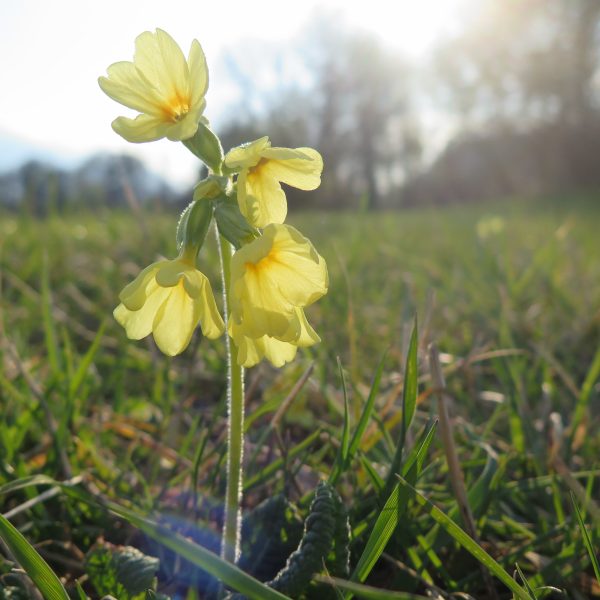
column 212, row 187
column 207, row 147
column 232, row 224
column 193, row 225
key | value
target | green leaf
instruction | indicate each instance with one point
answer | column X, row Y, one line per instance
column 340, row 467
column 529, row 589
column 33, row 564
column 200, row 556
column 409, row 404
column 586, row 392
column 586, row 539
column 467, row 542
column 79, row 375
column 366, row 591
column 380, row 534
column 393, row 509
column 122, row 571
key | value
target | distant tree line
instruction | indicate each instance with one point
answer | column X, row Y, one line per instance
column 516, row 90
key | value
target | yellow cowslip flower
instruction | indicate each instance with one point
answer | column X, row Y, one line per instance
column 252, row 351
column 159, row 83
column 262, row 168
column 168, row 299
column 272, row 279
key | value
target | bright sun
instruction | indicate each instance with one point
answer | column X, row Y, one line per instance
column 411, row 26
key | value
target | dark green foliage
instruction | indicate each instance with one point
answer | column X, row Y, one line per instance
column 322, row 533
column 12, row 592
column 515, row 317
column 338, row 561
column 122, row 571
column 269, row 534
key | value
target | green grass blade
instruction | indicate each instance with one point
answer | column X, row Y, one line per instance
column 200, row 556
column 529, row 589
column 368, row 409
column 586, row 392
column 33, row 564
column 409, row 403
column 271, row 469
column 17, row 484
column 366, row 591
column 79, row 375
column 392, row 511
column 411, row 381
column 341, row 459
column 380, row 534
column 52, row 348
column 419, row 452
column 467, row 542
column 586, row 538
column 345, row 446
column 362, row 424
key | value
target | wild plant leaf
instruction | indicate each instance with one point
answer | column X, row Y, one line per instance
column 467, row 542
column 34, row 565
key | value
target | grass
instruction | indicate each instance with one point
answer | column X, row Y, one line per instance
column 510, row 294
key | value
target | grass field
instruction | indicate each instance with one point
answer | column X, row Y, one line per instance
column 508, row 292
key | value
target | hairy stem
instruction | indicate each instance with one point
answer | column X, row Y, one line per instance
column 230, row 540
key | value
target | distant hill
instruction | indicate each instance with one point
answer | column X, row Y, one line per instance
column 103, row 179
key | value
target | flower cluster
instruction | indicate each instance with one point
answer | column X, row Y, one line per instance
column 275, row 271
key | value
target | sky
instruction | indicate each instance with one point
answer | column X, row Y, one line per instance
column 53, row 52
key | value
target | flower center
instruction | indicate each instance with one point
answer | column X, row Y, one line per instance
column 176, row 108
column 264, row 264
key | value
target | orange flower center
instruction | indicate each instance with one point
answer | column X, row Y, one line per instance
column 176, row 108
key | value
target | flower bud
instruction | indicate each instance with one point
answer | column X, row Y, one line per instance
column 212, row 187
column 193, row 226
column 232, row 224
column 207, row 147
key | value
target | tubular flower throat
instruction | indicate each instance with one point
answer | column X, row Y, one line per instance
column 166, row 89
column 262, row 168
column 169, row 299
column 273, row 278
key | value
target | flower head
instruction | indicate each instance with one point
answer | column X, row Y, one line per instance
column 252, row 350
column 166, row 89
column 168, row 299
column 272, row 279
column 262, row 168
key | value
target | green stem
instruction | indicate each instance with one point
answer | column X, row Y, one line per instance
column 230, row 539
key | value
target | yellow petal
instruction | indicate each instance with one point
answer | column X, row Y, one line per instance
column 138, row 323
column 135, row 293
column 302, row 172
column 144, row 128
column 175, row 321
column 264, row 311
column 198, row 73
column 125, row 85
column 306, row 335
column 252, row 351
column 246, row 155
column 295, row 267
column 277, row 352
column 162, row 62
column 210, row 319
column 260, row 197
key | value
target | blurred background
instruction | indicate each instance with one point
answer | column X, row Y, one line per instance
column 410, row 103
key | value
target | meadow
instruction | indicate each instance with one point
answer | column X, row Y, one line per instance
column 509, row 294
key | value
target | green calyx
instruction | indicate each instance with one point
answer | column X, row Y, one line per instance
column 207, row 147
column 193, row 226
column 232, row 225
